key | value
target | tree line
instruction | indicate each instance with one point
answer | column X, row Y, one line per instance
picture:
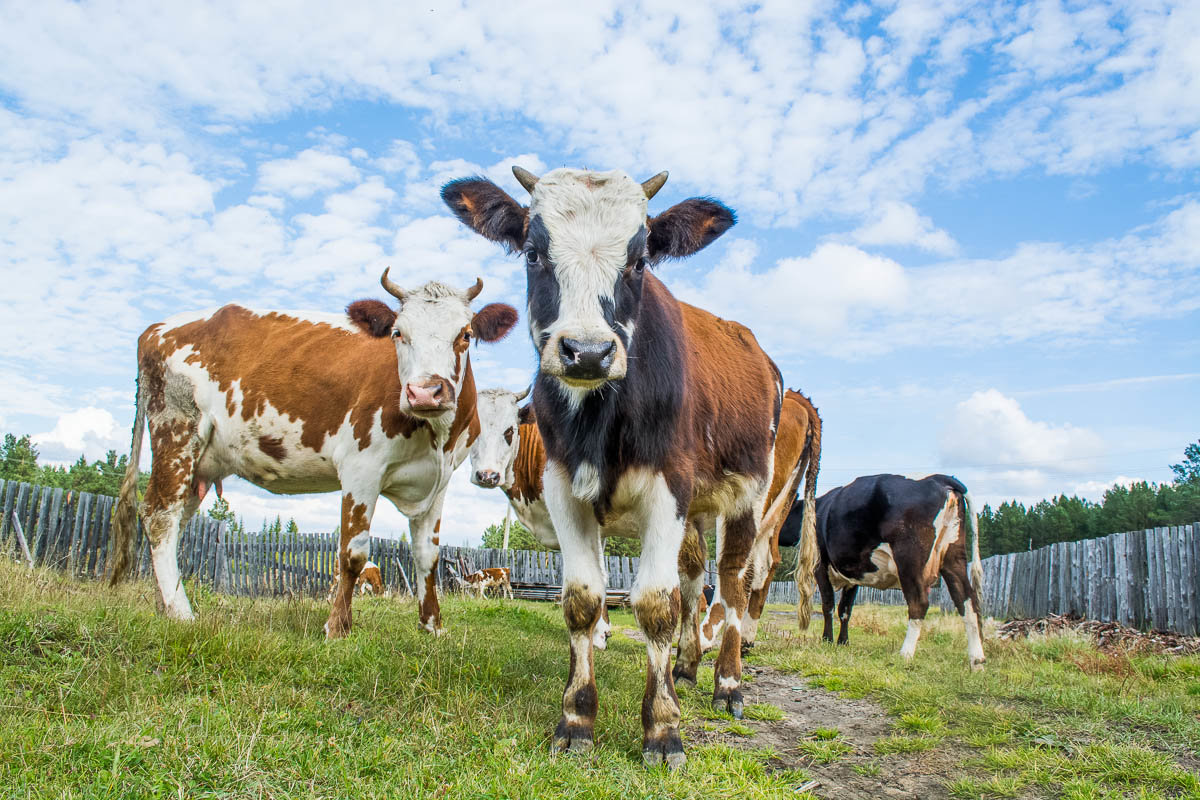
column 1012, row 526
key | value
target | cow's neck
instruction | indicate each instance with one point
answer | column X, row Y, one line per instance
column 632, row 423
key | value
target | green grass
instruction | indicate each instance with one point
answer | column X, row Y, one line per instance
column 1053, row 715
column 101, row 698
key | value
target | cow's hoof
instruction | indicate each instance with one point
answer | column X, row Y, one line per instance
column 746, row 648
column 336, row 629
column 977, row 666
column 576, row 739
column 728, row 701
column 665, row 749
column 683, row 678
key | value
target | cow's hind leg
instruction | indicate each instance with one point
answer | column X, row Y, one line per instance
column 845, row 608
column 827, row 597
column 172, row 496
column 353, row 551
column 656, row 600
column 736, row 539
column 966, row 601
column 916, row 595
column 692, row 558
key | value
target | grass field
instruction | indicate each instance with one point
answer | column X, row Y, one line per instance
column 99, row 697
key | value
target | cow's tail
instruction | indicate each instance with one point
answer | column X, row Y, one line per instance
column 806, row 553
column 973, row 534
column 125, row 516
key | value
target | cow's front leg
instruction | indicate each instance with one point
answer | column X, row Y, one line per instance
column 735, row 540
column 655, row 599
column 353, row 551
column 423, row 530
column 582, row 601
column 692, row 557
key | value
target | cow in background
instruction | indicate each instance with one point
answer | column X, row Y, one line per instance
column 889, row 532
column 370, row 580
column 373, row 402
column 649, row 409
column 508, row 454
column 797, row 452
column 483, row 579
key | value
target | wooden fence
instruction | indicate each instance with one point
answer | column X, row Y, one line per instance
column 1143, row 579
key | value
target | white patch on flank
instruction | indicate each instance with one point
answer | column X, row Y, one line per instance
column 974, row 638
column 910, row 639
column 946, row 530
column 586, row 483
column 885, row 576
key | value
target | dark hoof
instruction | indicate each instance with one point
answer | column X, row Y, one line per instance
column 683, row 677
column 746, row 647
column 843, row 642
column 575, row 738
column 666, row 749
column 728, row 701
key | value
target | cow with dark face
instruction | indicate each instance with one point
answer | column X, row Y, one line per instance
column 649, row 409
column 890, row 532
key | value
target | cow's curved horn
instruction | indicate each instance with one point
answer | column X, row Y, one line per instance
column 525, row 178
column 525, row 393
column 652, row 185
column 391, row 287
column 474, row 291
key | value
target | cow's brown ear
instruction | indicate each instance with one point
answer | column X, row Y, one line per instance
column 688, row 227
column 488, row 210
column 372, row 316
column 525, row 415
column 493, row 322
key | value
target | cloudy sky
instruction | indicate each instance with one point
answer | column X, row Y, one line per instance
column 970, row 230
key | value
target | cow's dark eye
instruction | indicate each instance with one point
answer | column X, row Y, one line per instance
column 531, row 257
column 397, row 335
column 508, row 434
column 640, row 264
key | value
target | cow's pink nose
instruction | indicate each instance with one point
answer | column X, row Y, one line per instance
column 429, row 396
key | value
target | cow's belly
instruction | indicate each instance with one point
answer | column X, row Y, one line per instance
column 411, row 482
column 879, row 571
column 267, row 452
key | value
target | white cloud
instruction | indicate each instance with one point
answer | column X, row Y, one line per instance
column 794, row 113
column 91, row 431
column 843, row 300
column 311, row 171
column 900, row 224
column 1094, row 490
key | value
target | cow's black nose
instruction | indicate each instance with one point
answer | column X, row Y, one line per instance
column 487, row 478
column 586, row 360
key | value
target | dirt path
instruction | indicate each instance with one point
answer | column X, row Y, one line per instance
column 861, row 773
column 860, row 723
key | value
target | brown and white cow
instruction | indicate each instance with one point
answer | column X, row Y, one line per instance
column 797, row 454
column 508, row 454
column 301, row 402
column 647, row 407
column 370, row 580
column 483, row 579
column 888, row 531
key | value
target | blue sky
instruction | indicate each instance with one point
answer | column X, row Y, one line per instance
column 971, row 231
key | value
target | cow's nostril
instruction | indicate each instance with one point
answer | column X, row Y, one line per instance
column 437, row 390
column 569, row 349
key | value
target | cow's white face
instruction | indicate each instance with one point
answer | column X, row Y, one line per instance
column 495, row 449
column 584, row 256
column 586, row 242
column 432, row 332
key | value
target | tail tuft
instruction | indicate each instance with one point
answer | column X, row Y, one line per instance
column 125, row 516
column 807, row 553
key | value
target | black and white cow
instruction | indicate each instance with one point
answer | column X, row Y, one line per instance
column 648, row 408
column 889, row 532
